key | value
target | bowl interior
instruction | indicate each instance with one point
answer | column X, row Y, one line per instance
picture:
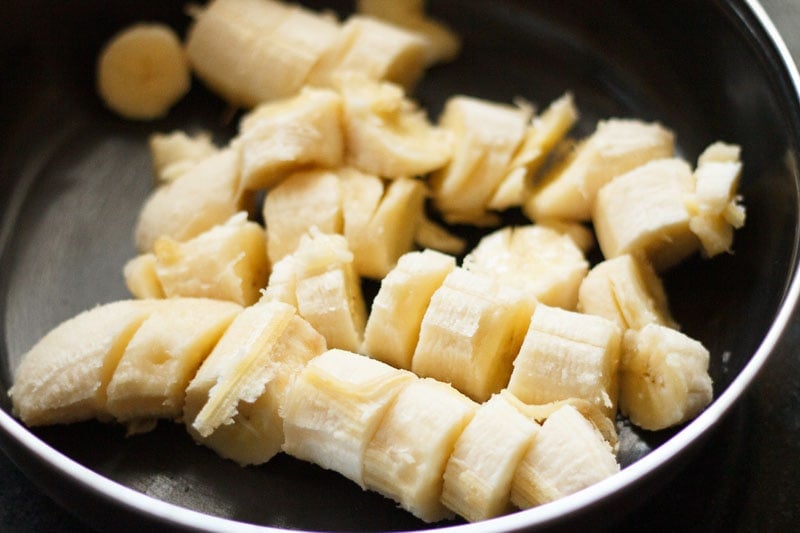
column 74, row 178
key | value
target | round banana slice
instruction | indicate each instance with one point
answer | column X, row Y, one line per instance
column 142, row 71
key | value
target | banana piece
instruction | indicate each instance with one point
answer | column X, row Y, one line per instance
column 311, row 198
column 319, row 279
column 379, row 236
column 233, row 402
column 626, row 290
column 540, row 262
column 406, row 457
column 544, row 133
column 227, row 262
column 643, row 212
column 487, row 136
column 617, row 146
column 441, row 43
column 334, row 408
column 714, row 205
column 287, row 135
column 252, row 51
column 162, row 357
column 470, row 334
column 430, row 234
column 64, row 376
column 664, row 378
column 141, row 278
column 386, row 133
column 142, row 71
column 198, row 200
column 175, row 153
column 567, row 354
column 375, row 49
column 582, row 236
column 568, row 454
column 478, row 476
column 398, row 308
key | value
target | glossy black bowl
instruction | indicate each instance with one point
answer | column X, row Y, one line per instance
column 74, row 176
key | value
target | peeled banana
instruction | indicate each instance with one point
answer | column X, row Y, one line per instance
column 177, row 152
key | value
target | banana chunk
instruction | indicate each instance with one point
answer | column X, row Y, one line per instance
column 470, row 334
column 232, row 403
column 162, row 357
column 568, row 355
column 664, row 378
column 540, row 262
column 290, row 134
column 143, row 71
column 617, row 146
column 334, row 407
column 406, row 457
column 63, row 378
column 643, row 212
column 626, row 290
column 568, row 454
column 141, row 278
column 479, row 473
column 393, row 325
column 198, row 200
column 175, row 153
column 227, row 262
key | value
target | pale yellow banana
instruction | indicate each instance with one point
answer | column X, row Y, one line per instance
column 398, row 308
column 141, row 278
column 664, row 378
column 142, row 71
column 175, row 153
column 430, row 234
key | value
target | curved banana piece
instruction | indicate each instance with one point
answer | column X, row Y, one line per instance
column 142, row 71
column 176, row 153
column 141, row 278
column 664, row 378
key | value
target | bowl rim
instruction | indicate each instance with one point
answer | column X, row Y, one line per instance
column 752, row 16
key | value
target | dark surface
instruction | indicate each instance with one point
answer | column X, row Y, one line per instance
column 744, row 478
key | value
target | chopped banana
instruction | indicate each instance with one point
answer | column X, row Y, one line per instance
column 664, row 378
column 626, row 290
column 617, row 145
column 176, row 153
column 227, row 262
column 287, row 135
column 141, row 278
column 335, row 406
column 143, row 71
column 643, row 212
column 568, row 355
column 406, row 457
column 544, row 265
column 430, row 234
column 398, row 308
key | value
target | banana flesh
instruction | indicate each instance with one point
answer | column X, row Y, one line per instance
column 141, row 278
column 177, row 152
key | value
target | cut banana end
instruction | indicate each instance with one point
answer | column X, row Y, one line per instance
column 64, row 376
column 432, row 235
column 664, row 378
column 291, row 134
column 539, row 261
column 568, row 355
column 626, row 290
column 163, row 355
column 406, row 458
column 643, row 212
column 392, row 329
column 227, row 262
column 334, row 408
column 232, row 404
column 198, row 200
column 141, row 278
column 143, row 71
column 478, row 476
column 617, row 146
column 568, row 454
column 470, row 334
column 175, row 153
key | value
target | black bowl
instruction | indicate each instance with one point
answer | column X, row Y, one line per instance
column 74, row 177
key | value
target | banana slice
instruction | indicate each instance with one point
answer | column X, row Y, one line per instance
column 64, row 376
column 405, row 459
column 664, row 378
column 142, row 71
column 568, row 355
column 478, row 476
column 175, row 153
column 334, row 408
column 392, row 329
column 141, row 278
